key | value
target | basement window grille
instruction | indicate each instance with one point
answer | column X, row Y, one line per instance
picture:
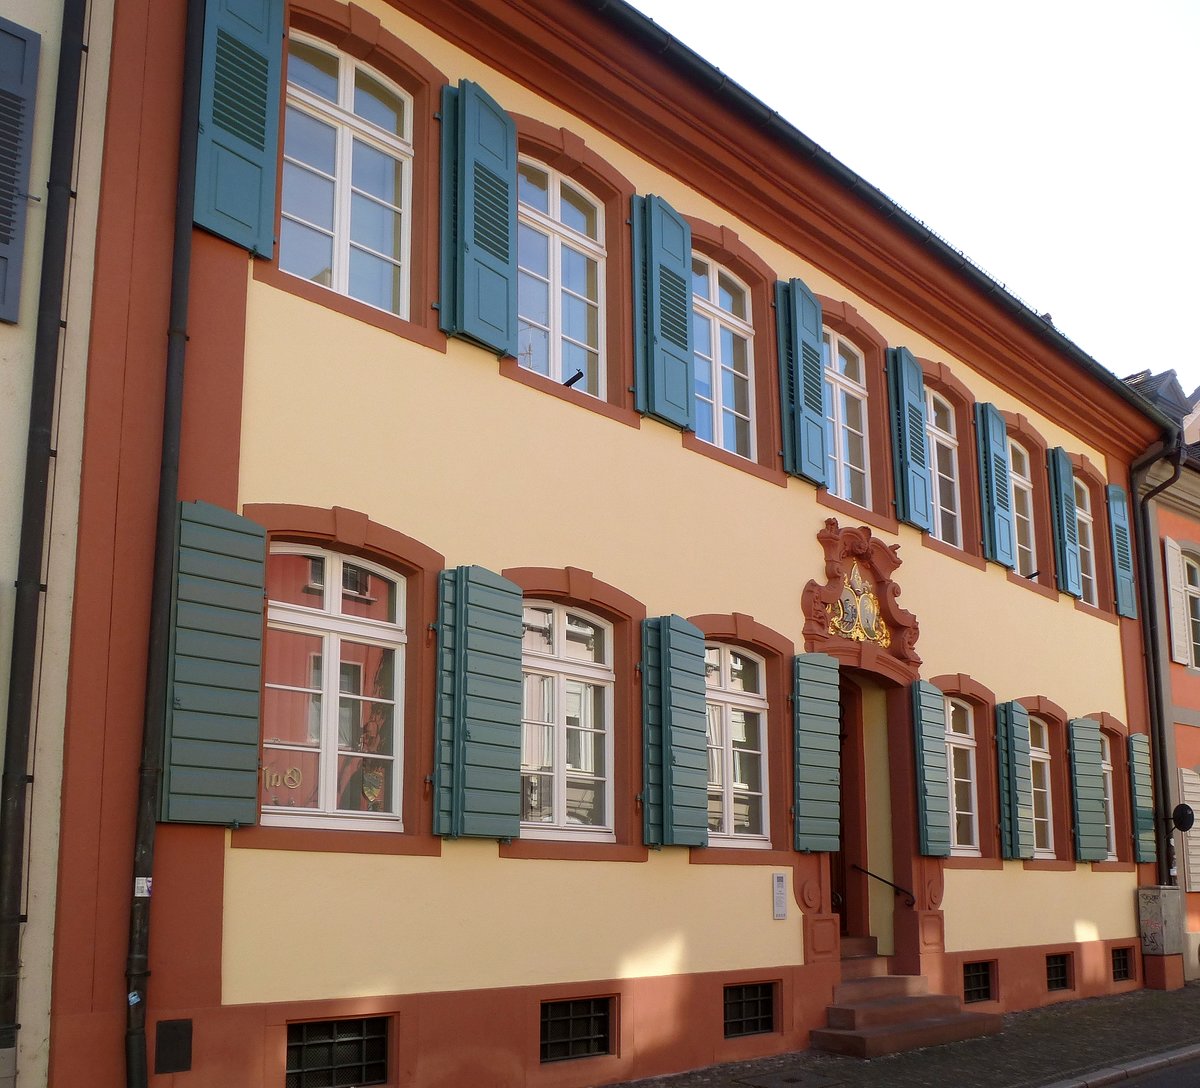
column 977, row 982
column 576, row 1029
column 1122, row 964
column 1058, row 971
column 749, row 1009
column 337, row 1053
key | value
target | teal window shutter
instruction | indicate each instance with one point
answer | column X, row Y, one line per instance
column 1142, row 794
column 479, row 219
column 801, row 381
column 1087, row 791
column 817, row 727
column 999, row 531
column 19, row 49
column 214, row 669
column 674, row 721
column 1122, row 549
column 910, row 455
column 1016, row 781
column 933, row 781
column 662, row 312
column 1066, row 522
column 477, row 773
column 237, row 146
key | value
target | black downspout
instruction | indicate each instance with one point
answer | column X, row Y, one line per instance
column 137, row 969
column 31, row 554
column 1164, row 843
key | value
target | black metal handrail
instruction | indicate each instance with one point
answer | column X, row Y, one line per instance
column 911, row 900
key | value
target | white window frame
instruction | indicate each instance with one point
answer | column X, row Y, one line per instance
column 722, row 697
column 837, row 386
column 349, row 127
column 966, row 743
column 937, row 438
column 326, row 622
column 1086, row 523
column 709, row 310
column 558, row 234
column 1024, row 525
column 1191, row 592
column 560, row 670
column 1110, row 810
column 1040, row 756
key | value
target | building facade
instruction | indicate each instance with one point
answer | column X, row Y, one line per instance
column 622, row 565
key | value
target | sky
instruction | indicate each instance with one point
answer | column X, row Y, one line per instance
column 1054, row 142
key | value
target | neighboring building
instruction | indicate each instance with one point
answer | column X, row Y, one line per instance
column 682, row 571
column 42, row 386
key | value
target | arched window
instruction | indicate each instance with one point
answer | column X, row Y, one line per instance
column 347, row 178
column 960, row 761
column 723, row 337
column 849, row 470
column 1043, row 789
column 736, row 705
column 941, row 435
column 566, row 733
column 1021, row 479
column 560, row 293
column 333, row 681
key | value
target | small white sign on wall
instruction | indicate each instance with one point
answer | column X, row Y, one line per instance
column 779, row 895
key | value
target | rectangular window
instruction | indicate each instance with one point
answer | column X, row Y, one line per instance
column 1122, row 964
column 1043, row 807
column 1087, row 541
column 749, row 1009
column 977, row 982
column 941, row 438
column 737, row 754
column 960, row 762
column 576, row 1029
column 722, row 337
column 1058, row 971
column 848, row 472
column 1022, row 499
column 337, row 1053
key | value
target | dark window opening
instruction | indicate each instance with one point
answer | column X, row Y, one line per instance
column 337, row 1053
column 1058, row 972
column 749, row 1010
column 576, row 1029
column 1122, row 964
column 977, row 982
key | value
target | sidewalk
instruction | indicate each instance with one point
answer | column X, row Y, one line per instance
column 1077, row 1044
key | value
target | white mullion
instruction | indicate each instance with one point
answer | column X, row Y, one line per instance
column 341, row 217
column 559, row 766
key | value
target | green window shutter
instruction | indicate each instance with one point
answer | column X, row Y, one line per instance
column 1087, row 791
column 999, row 531
column 237, row 146
column 662, row 312
column 214, row 668
column 477, row 774
column 1122, row 549
column 1066, row 522
column 801, row 381
column 910, row 455
column 18, row 91
column 1142, row 795
column 817, row 727
column 933, row 781
column 675, row 755
column 479, row 219
column 1016, row 781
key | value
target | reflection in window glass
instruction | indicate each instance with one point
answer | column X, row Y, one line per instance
column 736, row 707
column 848, row 471
column 722, row 349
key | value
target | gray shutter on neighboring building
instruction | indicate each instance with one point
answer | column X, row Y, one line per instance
column 19, row 49
column 933, row 782
column 210, row 753
column 1177, row 603
column 817, row 726
column 1189, row 848
column 1141, row 790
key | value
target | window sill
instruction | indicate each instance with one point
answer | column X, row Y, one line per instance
column 698, row 445
column 964, row 861
column 510, row 368
column 1092, row 610
column 1049, row 865
column 860, row 513
column 737, row 854
column 1049, row 592
column 563, row 850
column 329, row 841
column 1114, row 867
column 427, row 334
column 942, row 548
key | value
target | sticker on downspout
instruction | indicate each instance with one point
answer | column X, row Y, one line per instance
column 141, row 886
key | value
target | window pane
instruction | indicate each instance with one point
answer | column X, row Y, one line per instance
column 743, row 673
column 747, row 815
column 532, row 187
column 960, row 719
column 943, row 417
column 736, row 437
column 533, row 348
column 291, row 779
column 580, row 321
column 702, row 340
column 730, row 297
column 699, row 278
column 310, row 141
column 377, row 173
column 735, row 392
column 575, row 359
column 375, row 226
column 734, row 351
column 375, row 103
column 307, row 195
column 849, row 363
column 579, row 274
column 585, row 802
column 586, row 640
column 533, row 299
column 291, row 717
column 312, row 69
column 305, row 252
column 297, row 579
column 533, row 251
column 374, row 280
column 539, row 630
column 579, row 213
column 1019, row 460
column 704, row 421
column 367, row 594
column 365, row 783
column 856, row 487
column 1037, row 733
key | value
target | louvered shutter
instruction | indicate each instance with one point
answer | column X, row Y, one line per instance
column 933, row 781
column 1016, row 781
column 910, row 453
column 479, row 219
column 1087, row 791
column 1066, row 522
column 214, row 668
column 238, row 142
column 674, row 722
column 801, row 381
column 662, row 310
column 1141, row 792
column 19, row 50
column 1189, row 794
column 477, row 774
column 817, row 726
column 1177, row 602
column 999, row 534
column 1122, row 549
